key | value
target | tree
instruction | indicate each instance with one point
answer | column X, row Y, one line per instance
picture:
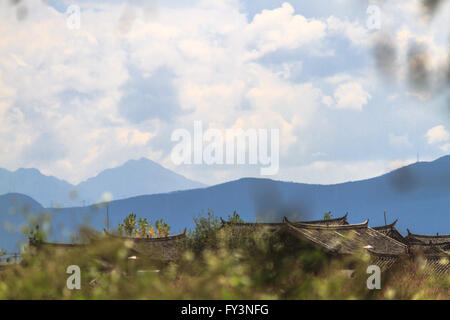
column 143, row 228
column 162, row 228
column 35, row 235
column 128, row 226
column 327, row 215
column 121, row 228
column 2, row 253
column 143, row 225
column 204, row 235
column 151, row 231
column 235, row 218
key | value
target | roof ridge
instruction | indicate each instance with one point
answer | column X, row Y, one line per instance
column 344, row 217
column 325, row 246
column 249, row 223
column 59, row 244
column 427, row 235
column 386, row 226
column 173, row 237
column 328, row 227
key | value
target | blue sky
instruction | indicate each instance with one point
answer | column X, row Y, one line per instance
column 76, row 101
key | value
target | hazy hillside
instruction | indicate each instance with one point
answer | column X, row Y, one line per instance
column 44, row 189
column 14, row 210
column 135, row 177
column 419, row 195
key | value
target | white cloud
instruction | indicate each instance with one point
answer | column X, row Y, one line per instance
column 328, row 171
column 399, row 140
column 437, row 134
column 356, row 33
column 280, row 28
column 338, row 78
column 445, row 147
column 351, row 95
column 328, row 101
column 396, row 164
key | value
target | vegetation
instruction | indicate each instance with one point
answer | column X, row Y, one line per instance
column 327, row 215
column 215, row 264
column 143, row 228
column 2, row 253
column 35, row 235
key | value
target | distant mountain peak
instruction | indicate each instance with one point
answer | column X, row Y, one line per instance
column 133, row 178
column 20, row 198
column 141, row 161
column 28, row 170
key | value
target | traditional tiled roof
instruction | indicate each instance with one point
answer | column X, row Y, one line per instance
column 328, row 222
column 429, row 239
column 347, row 239
column 384, row 261
column 437, row 266
column 168, row 238
column 391, row 231
column 269, row 226
column 164, row 249
column 55, row 245
column 425, row 249
column 386, row 227
column 276, row 225
column 428, row 243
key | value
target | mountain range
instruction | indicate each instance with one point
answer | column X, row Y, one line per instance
column 418, row 195
column 135, row 177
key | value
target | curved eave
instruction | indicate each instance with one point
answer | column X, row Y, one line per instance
column 343, row 219
column 327, row 227
column 388, row 226
column 58, row 245
column 251, row 224
column 426, row 236
column 169, row 238
column 274, row 224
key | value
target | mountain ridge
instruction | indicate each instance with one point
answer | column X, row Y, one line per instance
column 418, row 195
column 51, row 191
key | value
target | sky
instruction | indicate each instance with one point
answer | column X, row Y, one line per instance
column 352, row 98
